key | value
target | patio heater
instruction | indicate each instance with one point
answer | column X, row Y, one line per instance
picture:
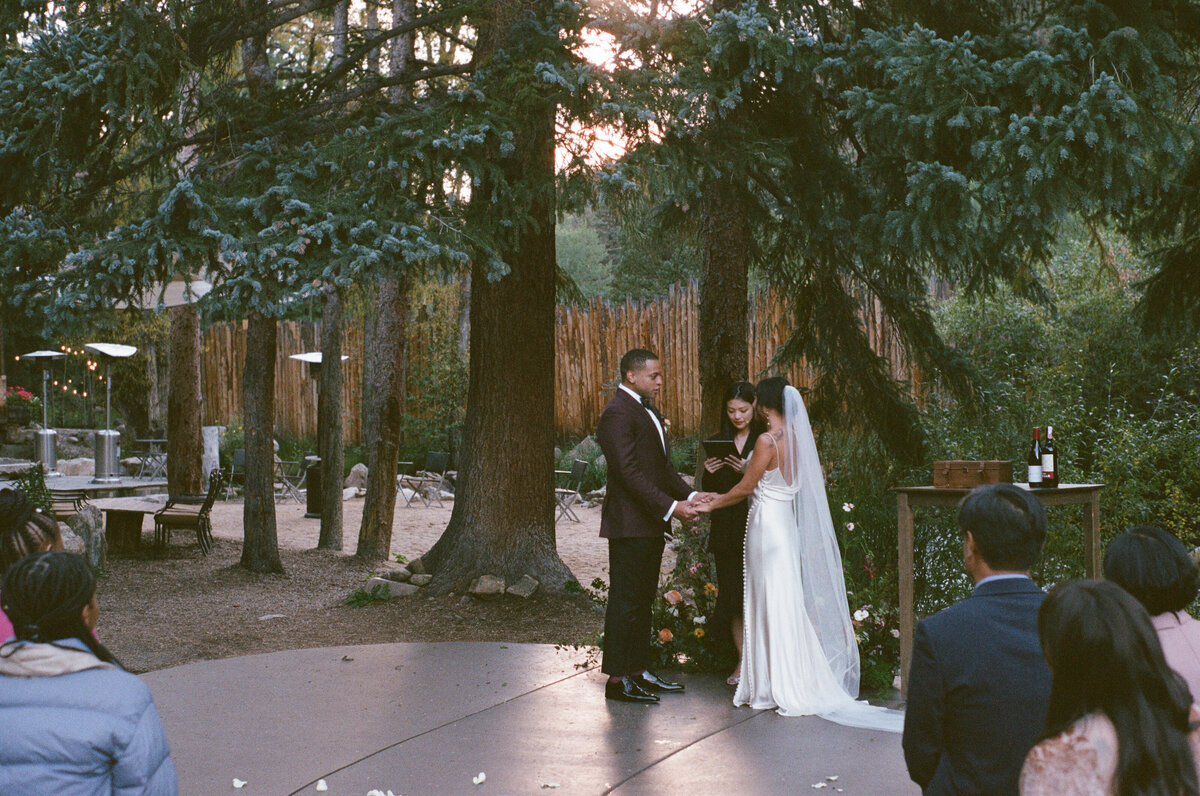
column 47, row 438
column 312, row 464
column 108, row 442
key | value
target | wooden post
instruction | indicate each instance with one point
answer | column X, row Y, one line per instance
column 904, row 522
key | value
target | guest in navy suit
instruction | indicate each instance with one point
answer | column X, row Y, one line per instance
column 978, row 687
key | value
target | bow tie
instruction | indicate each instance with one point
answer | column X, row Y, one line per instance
column 649, row 404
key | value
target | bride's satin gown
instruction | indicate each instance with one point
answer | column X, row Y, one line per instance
column 783, row 665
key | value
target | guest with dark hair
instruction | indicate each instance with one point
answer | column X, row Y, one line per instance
column 1156, row 568
column 727, row 531
column 1120, row 721
column 978, row 685
column 23, row 530
column 71, row 720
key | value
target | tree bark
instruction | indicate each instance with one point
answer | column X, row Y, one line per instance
column 329, row 421
column 383, row 411
column 185, row 444
column 724, row 302
column 464, row 319
column 503, row 518
column 260, row 547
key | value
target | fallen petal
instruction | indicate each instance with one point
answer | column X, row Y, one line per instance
column 239, row 783
column 832, row 778
column 322, row 786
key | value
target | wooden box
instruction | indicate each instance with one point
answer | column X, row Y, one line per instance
column 964, row 475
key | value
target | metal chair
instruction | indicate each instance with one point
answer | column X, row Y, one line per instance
column 434, row 474
column 238, row 467
column 189, row 511
column 66, row 503
column 566, row 497
column 289, row 480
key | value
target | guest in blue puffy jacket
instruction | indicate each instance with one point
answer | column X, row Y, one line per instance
column 71, row 720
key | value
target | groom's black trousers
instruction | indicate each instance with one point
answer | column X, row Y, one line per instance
column 633, row 567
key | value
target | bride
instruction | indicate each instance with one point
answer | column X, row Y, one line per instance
column 799, row 653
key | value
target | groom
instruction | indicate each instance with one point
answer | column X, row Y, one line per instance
column 643, row 493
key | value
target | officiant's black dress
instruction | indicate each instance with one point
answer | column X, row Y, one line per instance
column 727, row 541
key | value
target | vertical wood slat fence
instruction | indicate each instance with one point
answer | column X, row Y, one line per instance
column 589, row 343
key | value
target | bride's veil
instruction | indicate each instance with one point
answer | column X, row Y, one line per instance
column 820, row 559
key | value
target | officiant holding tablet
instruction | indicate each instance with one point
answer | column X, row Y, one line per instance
column 725, row 460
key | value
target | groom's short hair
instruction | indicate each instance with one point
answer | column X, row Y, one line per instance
column 635, row 359
column 1008, row 524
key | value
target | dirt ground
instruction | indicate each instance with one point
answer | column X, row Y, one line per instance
column 183, row 607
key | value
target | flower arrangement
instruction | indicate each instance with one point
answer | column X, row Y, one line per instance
column 19, row 396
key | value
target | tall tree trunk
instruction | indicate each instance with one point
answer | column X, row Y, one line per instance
column 260, row 548
column 724, row 303
column 384, row 408
column 329, row 421
column 185, row 444
column 503, row 518
column 154, row 412
column 464, row 319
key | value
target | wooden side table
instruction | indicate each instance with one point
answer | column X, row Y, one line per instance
column 909, row 497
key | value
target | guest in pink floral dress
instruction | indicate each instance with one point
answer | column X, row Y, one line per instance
column 23, row 530
column 1157, row 569
column 1120, row 720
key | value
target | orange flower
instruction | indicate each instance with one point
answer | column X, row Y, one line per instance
column 710, row 588
column 665, row 635
column 699, row 632
column 673, row 597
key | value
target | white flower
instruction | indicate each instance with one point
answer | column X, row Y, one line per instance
column 322, row 786
column 895, row 633
column 479, row 779
column 849, row 526
column 861, row 614
column 699, row 620
column 239, row 783
column 847, row 507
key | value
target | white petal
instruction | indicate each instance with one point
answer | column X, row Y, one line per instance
column 832, row 778
column 322, row 786
column 239, row 783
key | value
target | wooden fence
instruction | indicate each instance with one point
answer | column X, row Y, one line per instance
column 589, row 343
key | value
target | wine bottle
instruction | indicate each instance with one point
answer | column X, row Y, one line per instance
column 1049, row 460
column 1035, row 458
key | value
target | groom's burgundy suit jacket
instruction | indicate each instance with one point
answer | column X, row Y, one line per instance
column 642, row 484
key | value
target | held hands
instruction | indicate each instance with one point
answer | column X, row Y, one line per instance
column 702, row 502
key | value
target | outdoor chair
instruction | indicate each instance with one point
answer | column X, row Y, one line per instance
column 289, row 480
column 433, row 475
column 189, row 511
column 236, row 469
column 66, row 503
column 568, row 496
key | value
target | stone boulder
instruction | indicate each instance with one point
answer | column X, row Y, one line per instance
column 79, row 466
column 524, row 588
column 394, row 587
column 416, row 566
column 88, row 525
column 588, row 449
column 421, row 580
column 131, row 464
column 357, row 478
column 393, row 570
column 350, row 493
column 71, row 542
column 486, row 587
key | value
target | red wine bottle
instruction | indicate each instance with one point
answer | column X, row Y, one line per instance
column 1035, row 458
column 1049, row 460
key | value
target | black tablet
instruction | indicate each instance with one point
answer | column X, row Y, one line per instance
column 720, row 448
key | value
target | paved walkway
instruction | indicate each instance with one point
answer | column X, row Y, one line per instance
column 421, row 719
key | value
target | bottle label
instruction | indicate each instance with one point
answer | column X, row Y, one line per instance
column 1047, row 465
column 1035, row 474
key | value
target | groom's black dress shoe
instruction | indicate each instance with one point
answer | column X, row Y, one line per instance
column 650, row 682
column 625, row 690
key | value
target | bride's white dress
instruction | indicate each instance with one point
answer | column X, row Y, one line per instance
column 783, row 663
column 799, row 651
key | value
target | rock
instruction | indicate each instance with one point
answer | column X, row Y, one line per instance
column 88, row 525
column 597, row 494
column 405, row 494
column 71, row 542
column 485, row 587
column 523, row 588
column 394, row 588
column 210, row 457
column 79, row 466
column 588, row 449
column 421, row 580
column 131, row 464
column 416, row 566
column 395, row 571
column 349, row 493
column 357, row 478
column 447, row 495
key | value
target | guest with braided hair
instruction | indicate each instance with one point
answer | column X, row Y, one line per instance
column 23, row 530
column 71, row 720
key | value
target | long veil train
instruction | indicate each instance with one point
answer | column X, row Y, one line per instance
column 824, row 584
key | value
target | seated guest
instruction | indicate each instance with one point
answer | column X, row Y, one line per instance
column 23, row 530
column 978, row 684
column 1120, row 721
column 1155, row 567
column 71, row 720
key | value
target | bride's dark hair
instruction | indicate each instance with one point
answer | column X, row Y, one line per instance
column 770, row 393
